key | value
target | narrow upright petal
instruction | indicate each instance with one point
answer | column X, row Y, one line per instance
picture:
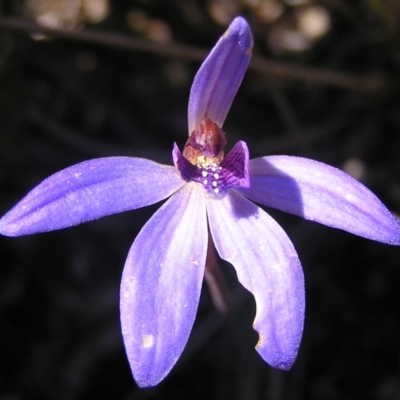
column 219, row 77
column 267, row 265
column 321, row 193
column 161, row 284
column 90, row 190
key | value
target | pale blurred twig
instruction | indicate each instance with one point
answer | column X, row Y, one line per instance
column 275, row 69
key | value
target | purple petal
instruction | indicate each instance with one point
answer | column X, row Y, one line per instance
column 321, row 193
column 236, row 167
column 267, row 265
column 90, row 190
column 219, row 77
column 161, row 285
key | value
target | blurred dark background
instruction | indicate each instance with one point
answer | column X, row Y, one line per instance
column 324, row 85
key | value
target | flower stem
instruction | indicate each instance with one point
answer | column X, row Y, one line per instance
column 215, row 280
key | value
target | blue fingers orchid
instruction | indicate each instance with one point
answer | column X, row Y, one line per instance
column 206, row 191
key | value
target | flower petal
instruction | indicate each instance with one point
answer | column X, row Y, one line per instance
column 161, row 285
column 90, row 190
column 267, row 265
column 321, row 193
column 219, row 77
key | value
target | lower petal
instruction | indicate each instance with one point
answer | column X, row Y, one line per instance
column 267, row 265
column 161, row 285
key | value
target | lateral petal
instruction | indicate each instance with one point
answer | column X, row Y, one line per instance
column 90, row 190
column 267, row 265
column 321, row 193
column 219, row 77
column 161, row 285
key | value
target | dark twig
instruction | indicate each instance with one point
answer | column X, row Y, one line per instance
column 215, row 280
column 279, row 70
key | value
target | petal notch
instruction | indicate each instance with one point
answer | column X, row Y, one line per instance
column 267, row 265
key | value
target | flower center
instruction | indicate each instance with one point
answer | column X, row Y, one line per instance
column 212, row 179
column 205, row 150
column 203, row 160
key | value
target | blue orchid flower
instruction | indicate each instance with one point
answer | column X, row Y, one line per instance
column 207, row 192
